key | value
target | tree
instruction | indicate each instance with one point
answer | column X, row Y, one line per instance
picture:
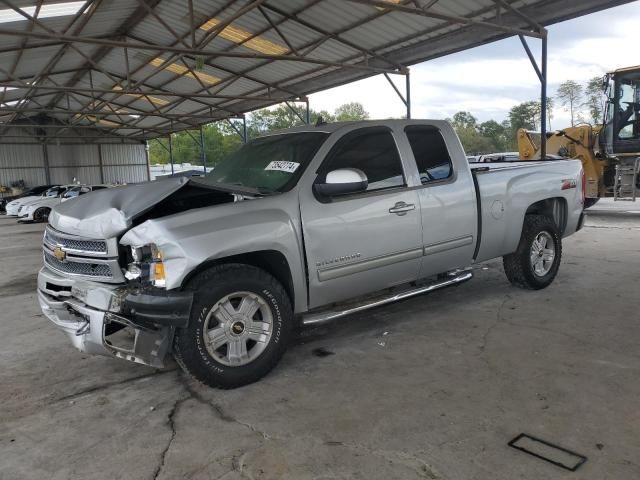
column 525, row 115
column 497, row 133
column 351, row 111
column 473, row 142
column 463, row 120
column 221, row 139
column 570, row 95
column 550, row 105
column 593, row 99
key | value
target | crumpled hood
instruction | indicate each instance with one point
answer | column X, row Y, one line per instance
column 109, row 212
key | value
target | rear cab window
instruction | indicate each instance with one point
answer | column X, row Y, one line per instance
column 430, row 153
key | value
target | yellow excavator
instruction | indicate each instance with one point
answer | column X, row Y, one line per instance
column 610, row 153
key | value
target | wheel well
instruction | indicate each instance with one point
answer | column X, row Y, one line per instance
column 271, row 261
column 555, row 208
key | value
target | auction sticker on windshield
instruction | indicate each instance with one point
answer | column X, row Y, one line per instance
column 282, row 166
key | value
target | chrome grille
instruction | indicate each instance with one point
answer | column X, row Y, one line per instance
column 95, row 270
column 54, row 238
column 76, row 256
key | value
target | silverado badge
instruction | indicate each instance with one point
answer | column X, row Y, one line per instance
column 59, row 253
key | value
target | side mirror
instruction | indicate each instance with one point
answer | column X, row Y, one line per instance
column 342, row 181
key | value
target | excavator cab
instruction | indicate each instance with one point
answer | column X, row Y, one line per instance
column 620, row 134
column 610, row 153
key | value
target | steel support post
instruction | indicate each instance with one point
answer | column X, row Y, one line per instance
column 543, row 100
column 244, row 129
column 408, row 93
column 171, row 153
column 146, row 153
column 541, row 71
column 47, row 170
column 406, row 99
column 100, row 163
column 204, row 154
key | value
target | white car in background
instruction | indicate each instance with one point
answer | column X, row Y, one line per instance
column 499, row 157
column 81, row 190
column 14, row 206
column 38, row 210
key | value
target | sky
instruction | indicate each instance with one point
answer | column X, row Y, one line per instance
column 488, row 80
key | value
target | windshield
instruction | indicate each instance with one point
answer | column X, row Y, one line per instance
column 269, row 164
column 72, row 192
column 54, row 192
column 629, row 109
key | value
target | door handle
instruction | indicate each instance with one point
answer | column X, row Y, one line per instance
column 401, row 208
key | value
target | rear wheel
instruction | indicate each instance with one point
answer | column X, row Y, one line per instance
column 41, row 214
column 535, row 263
column 240, row 324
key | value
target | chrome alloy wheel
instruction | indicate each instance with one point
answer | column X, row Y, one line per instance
column 542, row 254
column 238, row 328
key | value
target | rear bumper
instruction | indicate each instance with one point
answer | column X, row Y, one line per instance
column 112, row 320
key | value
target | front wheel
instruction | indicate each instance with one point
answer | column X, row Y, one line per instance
column 240, row 324
column 535, row 263
column 41, row 215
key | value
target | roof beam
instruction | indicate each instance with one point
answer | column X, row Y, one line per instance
column 453, row 19
column 190, row 51
column 23, row 43
column 308, row 47
column 535, row 25
column 133, row 20
column 139, row 92
column 366, row 53
column 54, row 60
column 100, row 113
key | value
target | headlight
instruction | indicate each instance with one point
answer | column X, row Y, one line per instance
column 147, row 265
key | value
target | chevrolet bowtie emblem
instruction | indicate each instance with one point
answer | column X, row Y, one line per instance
column 60, row 254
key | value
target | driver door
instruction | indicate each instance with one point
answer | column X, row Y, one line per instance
column 360, row 243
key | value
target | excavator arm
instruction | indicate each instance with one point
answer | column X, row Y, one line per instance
column 578, row 142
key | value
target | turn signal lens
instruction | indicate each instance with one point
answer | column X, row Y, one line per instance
column 158, row 274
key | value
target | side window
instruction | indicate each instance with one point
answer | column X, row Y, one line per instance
column 431, row 154
column 373, row 151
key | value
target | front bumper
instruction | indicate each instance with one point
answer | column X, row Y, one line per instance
column 112, row 320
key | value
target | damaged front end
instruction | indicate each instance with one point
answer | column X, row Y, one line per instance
column 113, row 269
column 128, row 322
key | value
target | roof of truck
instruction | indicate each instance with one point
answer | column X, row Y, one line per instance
column 334, row 126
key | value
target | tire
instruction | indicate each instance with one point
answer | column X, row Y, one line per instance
column 524, row 268
column 229, row 288
column 590, row 202
column 41, row 214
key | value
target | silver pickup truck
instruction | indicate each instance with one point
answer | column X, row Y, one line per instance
column 297, row 227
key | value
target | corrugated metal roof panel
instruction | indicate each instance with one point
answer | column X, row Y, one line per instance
column 338, row 31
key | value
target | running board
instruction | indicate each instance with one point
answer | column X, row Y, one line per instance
column 328, row 315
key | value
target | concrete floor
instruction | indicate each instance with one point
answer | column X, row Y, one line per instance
column 433, row 387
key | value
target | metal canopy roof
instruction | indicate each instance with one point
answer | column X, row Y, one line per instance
column 144, row 68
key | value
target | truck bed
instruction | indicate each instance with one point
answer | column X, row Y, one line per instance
column 506, row 190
